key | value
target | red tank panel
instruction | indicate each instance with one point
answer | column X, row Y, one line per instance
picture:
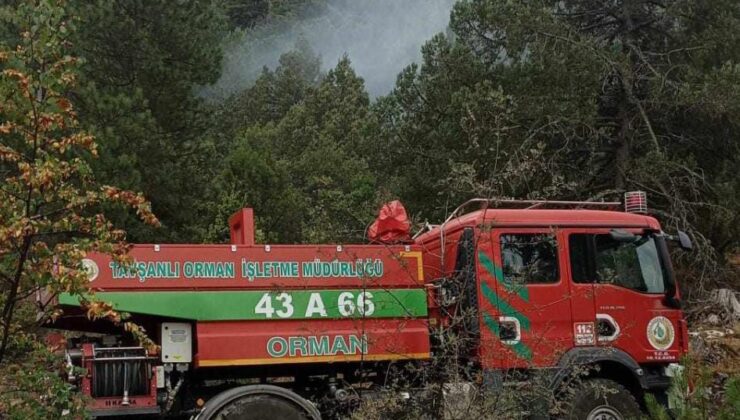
column 225, row 267
column 266, row 304
column 284, row 342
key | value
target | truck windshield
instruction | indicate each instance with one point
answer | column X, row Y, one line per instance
column 634, row 265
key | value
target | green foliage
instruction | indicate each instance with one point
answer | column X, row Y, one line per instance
column 294, row 159
column 37, row 390
column 732, row 400
column 143, row 63
column 271, row 96
column 475, row 123
column 48, row 203
column 33, row 386
column 700, row 403
column 575, row 100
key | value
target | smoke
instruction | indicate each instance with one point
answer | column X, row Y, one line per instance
column 380, row 37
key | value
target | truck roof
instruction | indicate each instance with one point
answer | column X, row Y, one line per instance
column 544, row 218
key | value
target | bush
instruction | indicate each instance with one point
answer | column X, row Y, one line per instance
column 698, row 394
column 32, row 387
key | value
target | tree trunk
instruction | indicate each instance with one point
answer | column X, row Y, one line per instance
column 622, row 153
column 9, row 307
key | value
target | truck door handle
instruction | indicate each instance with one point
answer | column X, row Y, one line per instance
column 510, row 330
column 606, row 327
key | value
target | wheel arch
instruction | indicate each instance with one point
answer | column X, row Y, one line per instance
column 618, row 372
column 611, row 364
column 224, row 398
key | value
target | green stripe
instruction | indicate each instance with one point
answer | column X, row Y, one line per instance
column 242, row 305
column 498, row 274
column 519, row 348
column 503, row 307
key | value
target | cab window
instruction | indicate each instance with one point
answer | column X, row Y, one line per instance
column 529, row 258
column 600, row 258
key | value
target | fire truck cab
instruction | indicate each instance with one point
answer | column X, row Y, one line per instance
column 555, row 285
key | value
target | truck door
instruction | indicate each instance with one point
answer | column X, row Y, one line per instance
column 532, row 316
column 628, row 278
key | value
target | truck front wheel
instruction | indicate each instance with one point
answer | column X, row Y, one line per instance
column 258, row 402
column 603, row 399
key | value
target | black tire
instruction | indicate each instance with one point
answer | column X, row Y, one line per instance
column 603, row 399
column 258, row 402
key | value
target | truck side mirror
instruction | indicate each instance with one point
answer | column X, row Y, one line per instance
column 684, row 241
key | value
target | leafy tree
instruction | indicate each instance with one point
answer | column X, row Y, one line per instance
column 32, row 387
column 666, row 62
column 249, row 174
column 48, row 197
column 144, row 61
column 579, row 100
column 690, row 400
column 271, row 96
column 317, row 140
column 298, row 163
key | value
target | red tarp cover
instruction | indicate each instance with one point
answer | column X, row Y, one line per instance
column 392, row 224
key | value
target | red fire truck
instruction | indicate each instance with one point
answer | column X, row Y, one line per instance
column 248, row 330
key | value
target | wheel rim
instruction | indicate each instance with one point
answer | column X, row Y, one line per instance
column 604, row 412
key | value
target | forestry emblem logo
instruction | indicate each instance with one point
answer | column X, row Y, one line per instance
column 91, row 267
column 660, row 333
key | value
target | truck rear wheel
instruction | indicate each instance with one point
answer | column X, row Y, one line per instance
column 258, row 402
column 603, row 399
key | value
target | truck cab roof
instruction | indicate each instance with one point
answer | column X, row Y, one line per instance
column 542, row 218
